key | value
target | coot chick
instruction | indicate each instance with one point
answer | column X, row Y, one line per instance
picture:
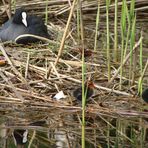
column 145, row 95
column 23, row 24
column 88, row 90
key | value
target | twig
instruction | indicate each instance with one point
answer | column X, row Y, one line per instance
column 13, row 68
column 56, row 72
column 111, row 90
column 27, row 66
column 12, row 86
column 64, row 37
column 125, row 60
column 8, row 10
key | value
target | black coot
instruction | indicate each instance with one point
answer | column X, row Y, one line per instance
column 23, row 24
column 145, row 95
column 88, row 89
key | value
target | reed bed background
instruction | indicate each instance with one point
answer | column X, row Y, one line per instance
column 105, row 41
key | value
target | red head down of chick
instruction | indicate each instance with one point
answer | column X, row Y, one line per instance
column 88, row 91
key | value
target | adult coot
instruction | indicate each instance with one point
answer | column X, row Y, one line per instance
column 145, row 95
column 88, row 90
column 21, row 25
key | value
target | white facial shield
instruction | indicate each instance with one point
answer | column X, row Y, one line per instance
column 24, row 20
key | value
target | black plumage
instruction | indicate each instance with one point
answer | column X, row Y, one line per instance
column 145, row 95
column 23, row 24
column 88, row 90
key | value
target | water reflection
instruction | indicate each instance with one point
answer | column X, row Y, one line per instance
column 24, row 136
column 20, row 137
column 36, row 134
column 62, row 129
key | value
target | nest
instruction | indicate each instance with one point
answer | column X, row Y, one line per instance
column 29, row 78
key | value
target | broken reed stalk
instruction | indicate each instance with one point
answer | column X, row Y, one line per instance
column 8, row 10
column 63, row 38
column 125, row 60
column 13, row 68
column 27, row 65
column 17, row 94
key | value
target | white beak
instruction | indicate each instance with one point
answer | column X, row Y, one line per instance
column 24, row 20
